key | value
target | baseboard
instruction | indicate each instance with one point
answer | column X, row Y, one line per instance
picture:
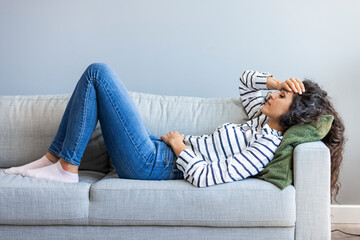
column 345, row 213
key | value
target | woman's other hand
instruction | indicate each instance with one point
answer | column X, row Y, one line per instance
column 176, row 142
column 172, row 138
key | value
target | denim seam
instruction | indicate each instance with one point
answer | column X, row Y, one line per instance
column 100, row 81
column 82, row 131
column 63, row 138
column 167, row 155
column 83, row 120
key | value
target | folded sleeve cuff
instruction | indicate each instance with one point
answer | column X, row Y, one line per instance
column 186, row 159
column 260, row 80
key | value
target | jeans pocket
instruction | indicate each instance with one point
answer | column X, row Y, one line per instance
column 172, row 160
column 176, row 173
column 161, row 152
column 175, row 169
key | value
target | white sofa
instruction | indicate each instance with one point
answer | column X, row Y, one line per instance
column 104, row 206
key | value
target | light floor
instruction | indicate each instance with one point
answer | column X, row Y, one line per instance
column 353, row 228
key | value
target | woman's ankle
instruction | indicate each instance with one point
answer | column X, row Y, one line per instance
column 52, row 157
column 68, row 166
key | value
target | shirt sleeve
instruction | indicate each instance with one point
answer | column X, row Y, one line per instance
column 248, row 162
column 250, row 84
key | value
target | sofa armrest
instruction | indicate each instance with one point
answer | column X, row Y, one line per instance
column 311, row 165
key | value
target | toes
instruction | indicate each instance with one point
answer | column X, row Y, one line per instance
column 11, row 171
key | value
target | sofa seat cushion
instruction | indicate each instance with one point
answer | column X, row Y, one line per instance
column 31, row 201
column 248, row 203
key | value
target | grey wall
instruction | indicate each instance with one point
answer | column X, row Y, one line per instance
column 189, row 48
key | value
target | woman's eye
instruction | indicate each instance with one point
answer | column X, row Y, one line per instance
column 282, row 96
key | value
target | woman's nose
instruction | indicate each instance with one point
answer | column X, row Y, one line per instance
column 272, row 95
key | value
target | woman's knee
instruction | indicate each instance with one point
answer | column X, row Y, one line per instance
column 100, row 71
column 98, row 67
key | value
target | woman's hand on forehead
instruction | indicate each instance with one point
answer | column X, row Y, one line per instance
column 293, row 85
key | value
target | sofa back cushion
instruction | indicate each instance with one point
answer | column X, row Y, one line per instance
column 187, row 115
column 28, row 123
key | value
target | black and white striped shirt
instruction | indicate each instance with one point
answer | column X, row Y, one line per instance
column 233, row 151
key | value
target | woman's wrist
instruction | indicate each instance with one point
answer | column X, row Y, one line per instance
column 272, row 83
column 177, row 147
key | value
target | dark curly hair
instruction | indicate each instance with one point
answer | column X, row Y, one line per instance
column 311, row 106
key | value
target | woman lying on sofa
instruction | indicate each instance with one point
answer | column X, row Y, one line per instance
column 232, row 152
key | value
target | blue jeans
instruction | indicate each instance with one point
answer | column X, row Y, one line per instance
column 135, row 153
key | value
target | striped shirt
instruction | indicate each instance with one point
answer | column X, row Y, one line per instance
column 233, row 151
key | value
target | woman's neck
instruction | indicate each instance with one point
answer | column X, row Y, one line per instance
column 274, row 124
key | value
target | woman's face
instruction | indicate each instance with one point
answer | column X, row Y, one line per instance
column 278, row 104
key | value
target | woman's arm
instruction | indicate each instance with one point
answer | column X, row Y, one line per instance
column 250, row 84
column 272, row 83
column 249, row 162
